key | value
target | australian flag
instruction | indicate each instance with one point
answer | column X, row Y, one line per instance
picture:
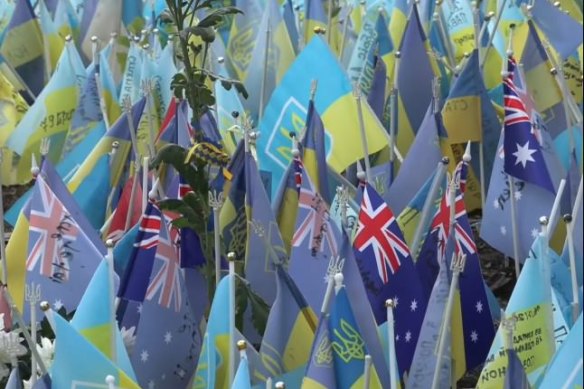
column 388, row 272
column 523, row 153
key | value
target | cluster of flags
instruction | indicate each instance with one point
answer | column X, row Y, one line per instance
column 382, row 125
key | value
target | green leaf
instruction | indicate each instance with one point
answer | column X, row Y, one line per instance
column 240, row 88
column 259, row 311
column 207, row 34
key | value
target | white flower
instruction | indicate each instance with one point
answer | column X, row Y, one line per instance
column 4, row 371
column 129, row 338
column 10, row 347
column 46, row 351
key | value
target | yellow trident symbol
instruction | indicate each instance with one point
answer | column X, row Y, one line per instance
column 324, row 353
column 352, row 347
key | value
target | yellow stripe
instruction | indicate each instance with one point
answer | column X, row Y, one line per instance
column 22, row 44
column 16, row 252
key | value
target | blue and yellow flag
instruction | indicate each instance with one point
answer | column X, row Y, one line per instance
column 22, row 47
column 348, row 346
column 459, row 20
column 243, row 37
column 100, row 18
column 334, row 101
column 78, row 362
column 50, row 115
column 320, row 373
column 533, row 337
column 213, row 366
column 289, row 330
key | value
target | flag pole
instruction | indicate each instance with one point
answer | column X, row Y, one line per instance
column 269, row 383
column 492, row 36
column 2, row 242
column 102, row 105
column 393, row 115
column 514, row 231
column 231, row 257
column 113, row 155
column 436, row 183
column 265, row 74
column 110, row 381
column 457, row 266
column 33, row 296
column 147, row 87
column 334, row 268
column 367, row 372
column 553, row 217
column 344, row 33
column 573, row 276
column 393, row 374
column 145, row 165
column 128, row 110
column 216, row 202
column 438, row 17
column 357, row 94
column 110, row 273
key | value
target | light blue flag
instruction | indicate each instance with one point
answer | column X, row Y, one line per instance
column 14, row 381
column 78, row 363
column 320, row 373
column 562, row 30
column 420, row 162
column 577, row 223
column 88, row 112
column 130, row 85
column 565, row 369
column 241, row 379
column 265, row 247
column 359, row 67
column 51, row 113
column 334, row 101
column 534, row 331
column 424, row 363
column 65, row 168
column 6, row 9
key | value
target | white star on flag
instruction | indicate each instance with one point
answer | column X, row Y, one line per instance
column 414, row 305
column 144, row 356
column 496, row 204
column 395, row 302
column 151, row 384
column 534, row 233
column 167, row 337
column 474, row 336
column 503, row 230
column 408, row 336
column 523, row 154
column 479, row 307
column 58, row 305
column 518, row 195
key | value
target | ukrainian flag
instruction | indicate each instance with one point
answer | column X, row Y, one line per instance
column 54, row 42
column 289, row 330
column 77, row 362
column 50, row 115
column 213, row 366
column 94, row 319
column 460, row 26
column 398, row 21
column 12, row 109
column 335, row 101
column 242, row 39
column 23, row 47
column 533, row 335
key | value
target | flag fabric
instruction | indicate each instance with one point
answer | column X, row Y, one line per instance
column 420, row 162
column 388, row 272
column 531, row 202
column 117, row 227
column 242, row 379
column 376, row 97
column 314, row 151
column 168, row 337
column 475, row 317
column 334, row 101
column 562, row 30
column 22, row 47
column 314, row 243
column 540, row 83
column 320, row 373
column 523, row 157
column 314, row 16
column 413, row 82
column 53, row 42
column 50, row 115
column 425, row 361
column 533, row 336
column 515, row 374
column 243, row 37
column 100, row 18
column 565, row 369
column 459, row 23
column 63, row 249
column 5, row 310
column 78, row 362
column 93, row 319
column 289, row 330
column 135, row 283
column 130, row 83
column 212, row 367
column 280, row 54
column 469, row 103
column 264, row 247
column 347, row 344
column 14, row 380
